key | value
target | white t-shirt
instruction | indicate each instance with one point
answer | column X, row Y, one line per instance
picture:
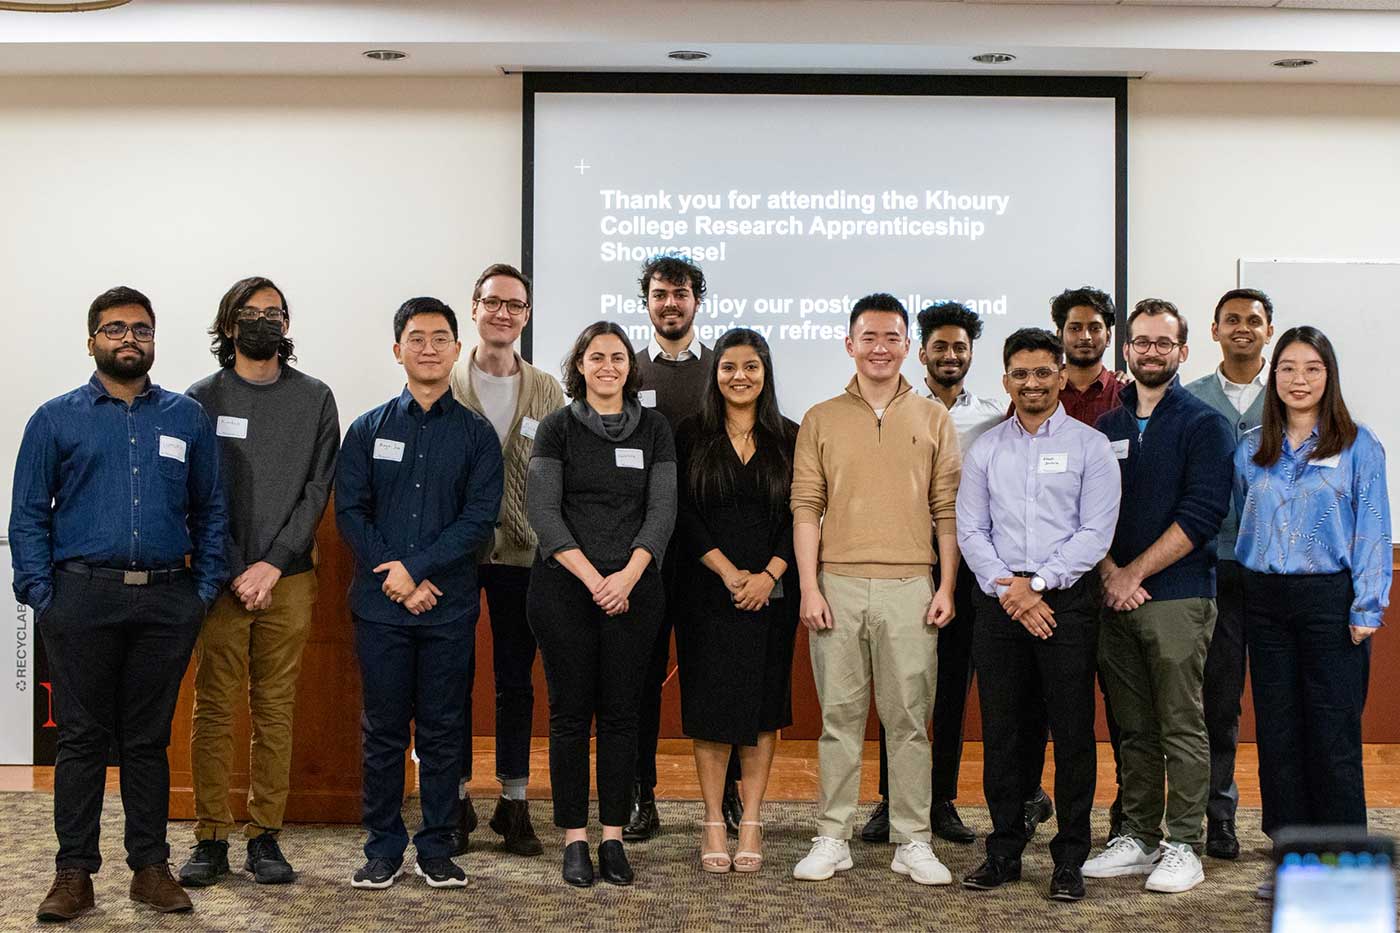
column 498, row 395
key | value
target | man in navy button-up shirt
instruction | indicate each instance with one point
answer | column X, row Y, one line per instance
column 116, row 482
column 418, row 487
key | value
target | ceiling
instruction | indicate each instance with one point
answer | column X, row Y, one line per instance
column 1354, row 41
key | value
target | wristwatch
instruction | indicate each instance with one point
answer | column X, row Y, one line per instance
column 1038, row 584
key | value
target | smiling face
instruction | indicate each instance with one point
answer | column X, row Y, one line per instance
column 947, row 355
column 740, row 376
column 671, row 307
column 501, row 328
column 878, row 343
column 1300, row 375
column 427, row 349
column 604, row 367
column 1085, row 336
column 1034, row 379
column 1242, row 329
column 1154, row 366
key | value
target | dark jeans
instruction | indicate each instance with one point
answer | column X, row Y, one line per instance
column 656, row 667
column 1016, row 673
column 1309, row 684
column 512, row 657
column 1223, row 688
column 117, row 654
column 409, row 674
column 593, row 664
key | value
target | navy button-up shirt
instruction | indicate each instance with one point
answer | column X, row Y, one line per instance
column 132, row 487
column 423, row 488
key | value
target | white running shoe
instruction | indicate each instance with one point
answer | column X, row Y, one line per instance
column 1179, row 870
column 1124, row 856
column 828, row 856
column 916, row 859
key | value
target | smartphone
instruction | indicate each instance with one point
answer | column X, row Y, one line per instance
column 1337, row 879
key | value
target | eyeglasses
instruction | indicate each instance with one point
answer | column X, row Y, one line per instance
column 1163, row 345
column 249, row 314
column 1041, row 373
column 417, row 342
column 513, row 307
column 1313, row 373
column 116, row 330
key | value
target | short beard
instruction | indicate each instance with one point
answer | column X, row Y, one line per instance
column 1082, row 358
column 945, row 381
column 674, row 331
column 1159, row 378
column 110, row 365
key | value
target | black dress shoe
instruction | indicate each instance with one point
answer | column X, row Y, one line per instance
column 1067, row 884
column 877, row 828
column 948, row 825
column 612, row 863
column 732, row 807
column 645, row 822
column 1037, row 810
column 578, row 865
column 512, row 821
column 993, row 873
column 466, row 825
column 1221, row 841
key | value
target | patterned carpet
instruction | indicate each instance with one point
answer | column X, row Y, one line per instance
column 509, row 893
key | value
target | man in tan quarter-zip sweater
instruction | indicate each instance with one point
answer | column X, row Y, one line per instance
column 514, row 396
column 875, row 480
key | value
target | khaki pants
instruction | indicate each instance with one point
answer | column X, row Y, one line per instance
column 261, row 650
column 880, row 635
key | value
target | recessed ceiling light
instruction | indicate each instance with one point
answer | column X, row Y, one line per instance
column 59, row 6
column 994, row 58
column 385, row 55
column 688, row 55
column 1294, row 62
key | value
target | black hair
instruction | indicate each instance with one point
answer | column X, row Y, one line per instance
column 1087, row 296
column 1247, row 294
column 416, row 306
column 677, row 271
column 115, row 298
column 1153, row 307
column 575, row 387
column 509, row 271
column 1032, row 338
column 879, row 301
column 949, row 314
column 221, row 344
column 1336, row 431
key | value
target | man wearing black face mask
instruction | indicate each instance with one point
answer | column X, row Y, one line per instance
column 279, row 433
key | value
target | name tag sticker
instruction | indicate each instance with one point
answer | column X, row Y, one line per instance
column 172, row 447
column 630, row 457
column 1054, row 463
column 385, row 449
column 1329, row 463
column 229, row 426
column 528, row 427
column 647, row 397
column 1120, row 449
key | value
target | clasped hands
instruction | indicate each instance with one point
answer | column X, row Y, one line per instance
column 749, row 591
column 611, row 593
column 398, row 585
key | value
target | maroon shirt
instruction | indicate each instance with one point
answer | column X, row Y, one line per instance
column 1098, row 399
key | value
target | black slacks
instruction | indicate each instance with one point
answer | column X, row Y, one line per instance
column 512, row 661
column 593, row 664
column 1018, row 674
column 1223, row 689
column 117, row 654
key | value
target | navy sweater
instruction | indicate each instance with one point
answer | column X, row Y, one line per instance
column 1179, row 469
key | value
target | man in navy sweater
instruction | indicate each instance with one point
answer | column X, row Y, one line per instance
column 1176, row 456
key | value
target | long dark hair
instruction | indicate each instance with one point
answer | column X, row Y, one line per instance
column 574, row 385
column 1335, row 429
column 222, row 345
column 712, row 475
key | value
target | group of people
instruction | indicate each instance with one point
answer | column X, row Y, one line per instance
column 1144, row 532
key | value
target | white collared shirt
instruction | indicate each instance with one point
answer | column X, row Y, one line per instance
column 1243, row 395
column 972, row 416
column 654, row 351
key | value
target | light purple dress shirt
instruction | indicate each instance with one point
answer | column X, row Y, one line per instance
column 1045, row 503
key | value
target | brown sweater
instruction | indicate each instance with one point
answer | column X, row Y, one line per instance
column 876, row 495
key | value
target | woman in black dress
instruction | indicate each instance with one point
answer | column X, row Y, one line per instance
column 735, row 637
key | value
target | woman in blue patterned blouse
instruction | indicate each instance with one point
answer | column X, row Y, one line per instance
column 1314, row 542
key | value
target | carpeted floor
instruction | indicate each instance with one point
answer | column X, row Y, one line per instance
column 509, row 893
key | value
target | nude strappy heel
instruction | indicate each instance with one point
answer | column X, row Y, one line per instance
column 716, row 863
column 749, row 861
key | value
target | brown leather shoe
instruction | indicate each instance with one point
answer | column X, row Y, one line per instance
column 70, row 896
column 156, row 887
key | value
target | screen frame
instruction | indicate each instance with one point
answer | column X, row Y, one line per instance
column 893, row 85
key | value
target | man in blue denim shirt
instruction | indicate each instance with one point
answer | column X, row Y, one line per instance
column 115, row 483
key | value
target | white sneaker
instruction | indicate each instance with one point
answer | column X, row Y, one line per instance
column 1179, row 870
column 828, row 856
column 916, row 859
column 1124, row 856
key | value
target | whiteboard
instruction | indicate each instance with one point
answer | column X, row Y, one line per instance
column 1356, row 303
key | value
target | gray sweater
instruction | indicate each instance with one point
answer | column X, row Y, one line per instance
column 277, row 446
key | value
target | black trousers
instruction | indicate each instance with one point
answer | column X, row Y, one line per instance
column 593, row 664
column 1223, row 689
column 512, row 660
column 1309, row 684
column 117, row 654
column 1018, row 673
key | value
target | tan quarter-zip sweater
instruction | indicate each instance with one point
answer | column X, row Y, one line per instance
column 877, row 485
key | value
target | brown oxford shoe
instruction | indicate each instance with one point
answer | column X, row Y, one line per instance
column 155, row 887
column 70, row 896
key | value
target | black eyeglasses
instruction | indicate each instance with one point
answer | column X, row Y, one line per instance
column 249, row 314
column 1164, row 345
column 116, row 330
column 513, row 307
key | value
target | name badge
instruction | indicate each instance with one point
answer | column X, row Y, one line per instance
column 1120, row 449
column 528, row 427
column 229, row 426
column 630, row 457
column 1328, row 463
column 385, row 449
column 1054, row 463
column 172, row 447
column 647, row 397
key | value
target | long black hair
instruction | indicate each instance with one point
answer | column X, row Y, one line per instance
column 712, row 475
column 1335, row 428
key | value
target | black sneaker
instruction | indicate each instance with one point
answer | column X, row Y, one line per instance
column 206, row 864
column 266, row 862
column 377, row 873
column 440, row 872
column 1067, row 884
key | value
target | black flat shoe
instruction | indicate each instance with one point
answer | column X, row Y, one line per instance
column 1221, row 841
column 993, row 873
column 1067, row 884
column 948, row 825
column 1037, row 810
column 877, row 828
column 612, row 863
column 578, row 865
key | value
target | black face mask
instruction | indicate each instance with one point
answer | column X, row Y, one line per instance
column 259, row 340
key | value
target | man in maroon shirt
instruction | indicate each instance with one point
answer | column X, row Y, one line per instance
column 1084, row 323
